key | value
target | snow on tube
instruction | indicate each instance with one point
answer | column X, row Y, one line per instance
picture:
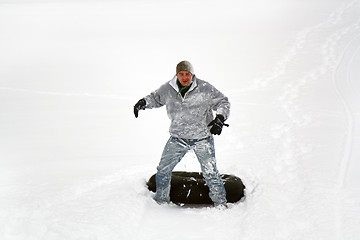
column 190, row 188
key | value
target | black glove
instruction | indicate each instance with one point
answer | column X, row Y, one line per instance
column 140, row 105
column 217, row 124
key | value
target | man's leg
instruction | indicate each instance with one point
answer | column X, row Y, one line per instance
column 174, row 151
column 205, row 152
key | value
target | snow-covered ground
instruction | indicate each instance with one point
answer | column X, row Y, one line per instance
column 74, row 160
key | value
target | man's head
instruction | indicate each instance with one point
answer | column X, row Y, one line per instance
column 184, row 72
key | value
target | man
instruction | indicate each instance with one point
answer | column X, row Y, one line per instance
column 190, row 103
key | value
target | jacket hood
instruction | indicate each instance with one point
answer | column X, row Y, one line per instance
column 175, row 86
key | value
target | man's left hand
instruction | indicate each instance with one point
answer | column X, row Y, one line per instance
column 217, row 124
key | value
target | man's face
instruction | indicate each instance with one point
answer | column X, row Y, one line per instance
column 184, row 78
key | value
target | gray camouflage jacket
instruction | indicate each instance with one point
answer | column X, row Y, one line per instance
column 190, row 114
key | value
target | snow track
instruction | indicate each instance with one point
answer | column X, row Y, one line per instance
column 337, row 64
column 342, row 72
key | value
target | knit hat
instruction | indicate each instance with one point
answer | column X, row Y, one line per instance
column 184, row 66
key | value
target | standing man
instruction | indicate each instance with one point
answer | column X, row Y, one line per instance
column 190, row 103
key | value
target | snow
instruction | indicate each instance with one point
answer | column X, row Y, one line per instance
column 74, row 160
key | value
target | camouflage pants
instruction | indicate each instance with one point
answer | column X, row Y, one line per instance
column 174, row 151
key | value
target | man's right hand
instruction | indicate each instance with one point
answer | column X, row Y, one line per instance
column 140, row 105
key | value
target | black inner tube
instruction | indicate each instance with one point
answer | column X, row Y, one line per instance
column 191, row 188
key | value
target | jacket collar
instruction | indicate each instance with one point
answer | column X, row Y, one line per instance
column 175, row 86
